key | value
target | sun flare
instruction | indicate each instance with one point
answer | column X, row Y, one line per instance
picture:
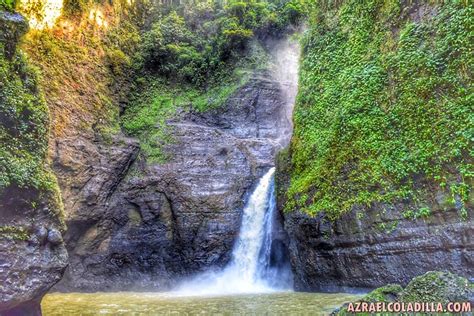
column 51, row 11
column 96, row 15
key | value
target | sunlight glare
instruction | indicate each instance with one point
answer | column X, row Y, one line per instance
column 50, row 13
column 97, row 16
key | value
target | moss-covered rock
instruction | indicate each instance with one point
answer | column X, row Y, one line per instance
column 30, row 202
column 385, row 293
column 436, row 286
column 431, row 287
column 13, row 26
column 25, row 176
column 370, row 125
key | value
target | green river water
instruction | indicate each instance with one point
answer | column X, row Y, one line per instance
column 129, row 303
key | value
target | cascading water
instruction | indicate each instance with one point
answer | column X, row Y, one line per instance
column 250, row 269
column 273, row 266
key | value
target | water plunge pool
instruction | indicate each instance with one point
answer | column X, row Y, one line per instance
column 132, row 303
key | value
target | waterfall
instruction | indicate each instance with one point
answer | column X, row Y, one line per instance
column 250, row 269
column 245, row 258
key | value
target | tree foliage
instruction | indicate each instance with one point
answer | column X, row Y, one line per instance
column 8, row 5
column 191, row 43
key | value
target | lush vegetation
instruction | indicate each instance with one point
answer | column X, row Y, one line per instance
column 8, row 5
column 87, row 62
column 194, row 56
column 24, row 173
column 197, row 42
column 140, row 55
column 385, row 107
column 24, row 128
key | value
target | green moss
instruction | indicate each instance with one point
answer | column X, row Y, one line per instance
column 433, row 286
column 384, row 104
column 437, row 286
column 118, row 61
column 148, row 113
column 24, row 129
column 387, row 228
column 211, row 98
column 386, row 293
column 146, row 118
column 423, row 212
column 24, row 132
column 8, row 5
column 14, row 233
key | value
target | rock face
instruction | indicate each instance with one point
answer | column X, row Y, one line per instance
column 368, row 248
column 89, row 171
column 145, row 226
column 30, row 264
column 32, row 252
column 13, row 26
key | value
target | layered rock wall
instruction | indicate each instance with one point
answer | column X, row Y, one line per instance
column 135, row 225
column 373, row 246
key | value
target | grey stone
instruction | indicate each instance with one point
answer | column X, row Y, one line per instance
column 13, row 25
column 359, row 254
column 55, row 237
column 41, row 234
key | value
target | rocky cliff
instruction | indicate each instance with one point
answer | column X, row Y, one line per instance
column 32, row 252
column 372, row 246
column 376, row 248
column 137, row 225
column 376, row 186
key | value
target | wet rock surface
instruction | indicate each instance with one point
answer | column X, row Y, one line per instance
column 368, row 248
column 134, row 225
column 28, row 269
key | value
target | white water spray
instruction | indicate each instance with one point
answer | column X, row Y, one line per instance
column 249, row 270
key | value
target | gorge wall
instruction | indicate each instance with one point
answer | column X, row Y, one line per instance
column 137, row 225
column 375, row 187
column 32, row 252
column 358, row 252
